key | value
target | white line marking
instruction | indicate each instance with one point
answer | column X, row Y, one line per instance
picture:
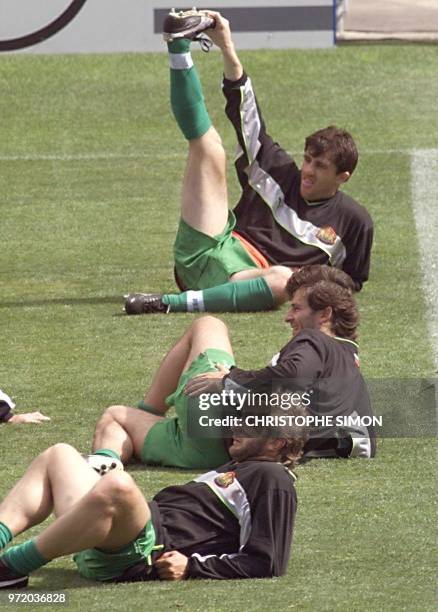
column 90, row 156
column 424, row 173
column 102, row 155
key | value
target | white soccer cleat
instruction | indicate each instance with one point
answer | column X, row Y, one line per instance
column 102, row 465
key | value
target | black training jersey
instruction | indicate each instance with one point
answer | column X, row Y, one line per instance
column 328, row 365
column 233, row 522
column 272, row 215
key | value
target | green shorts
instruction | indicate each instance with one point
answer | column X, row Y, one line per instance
column 168, row 443
column 102, row 565
column 202, row 261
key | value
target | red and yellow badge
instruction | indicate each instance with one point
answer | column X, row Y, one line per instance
column 225, row 480
column 327, row 235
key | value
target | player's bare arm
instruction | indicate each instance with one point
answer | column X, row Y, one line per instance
column 7, row 416
column 28, row 417
column 221, row 36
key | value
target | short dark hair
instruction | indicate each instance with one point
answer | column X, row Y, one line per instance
column 308, row 275
column 345, row 315
column 337, row 144
column 294, row 434
column 295, row 438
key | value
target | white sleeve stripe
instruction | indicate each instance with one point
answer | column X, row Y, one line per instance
column 250, row 121
column 5, row 398
column 202, row 559
column 236, row 500
column 304, row 231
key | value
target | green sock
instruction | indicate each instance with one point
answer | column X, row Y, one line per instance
column 240, row 296
column 24, row 558
column 146, row 408
column 5, row 535
column 186, row 98
column 107, row 452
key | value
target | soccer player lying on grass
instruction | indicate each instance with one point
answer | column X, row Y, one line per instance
column 234, row 522
column 286, row 217
column 323, row 351
column 7, row 415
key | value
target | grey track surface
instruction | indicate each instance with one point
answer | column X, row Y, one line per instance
column 415, row 20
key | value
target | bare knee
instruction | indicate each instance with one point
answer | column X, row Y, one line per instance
column 205, row 143
column 207, row 153
column 59, row 454
column 277, row 278
column 115, row 490
column 112, row 413
column 111, row 416
column 61, row 449
column 208, row 323
column 207, row 333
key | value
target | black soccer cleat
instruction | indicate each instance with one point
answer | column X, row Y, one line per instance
column 188, row 24
column 145, row 303
column 10, row 579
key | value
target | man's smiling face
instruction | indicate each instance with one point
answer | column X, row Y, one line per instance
column 300, row 316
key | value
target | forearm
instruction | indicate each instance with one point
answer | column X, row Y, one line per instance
column 221, row 36
column 228, row 567
column 233, row 69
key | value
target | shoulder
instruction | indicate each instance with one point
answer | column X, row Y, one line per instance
column 307, row 343
column 311, row 337
column 321, row 343
column 346, row 345
column 319, row 338
column 352, row 209
column 269, row 474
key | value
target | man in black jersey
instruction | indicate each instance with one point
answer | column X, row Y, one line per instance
column 286, row 217
column 322, row 355
column 233, row 522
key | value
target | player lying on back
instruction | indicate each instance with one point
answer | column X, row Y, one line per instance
column 286, row 217
column 233, row 522
column 322, row 353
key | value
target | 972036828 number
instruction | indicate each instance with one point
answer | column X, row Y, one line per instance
column 35, row 598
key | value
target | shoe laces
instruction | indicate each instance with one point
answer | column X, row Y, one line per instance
column 204, row 42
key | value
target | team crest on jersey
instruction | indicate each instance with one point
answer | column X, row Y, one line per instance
column 225, row 480
column 356, row 360
column 327, row 235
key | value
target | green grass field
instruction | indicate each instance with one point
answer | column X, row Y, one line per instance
column 90, row 171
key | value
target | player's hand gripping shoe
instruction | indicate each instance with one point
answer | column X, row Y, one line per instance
column 102, row 465
column 188, row 24
column 145, row 303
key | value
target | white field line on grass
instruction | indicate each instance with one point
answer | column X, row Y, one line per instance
column 103, row 155
column 424, row 174
column 87, row 156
